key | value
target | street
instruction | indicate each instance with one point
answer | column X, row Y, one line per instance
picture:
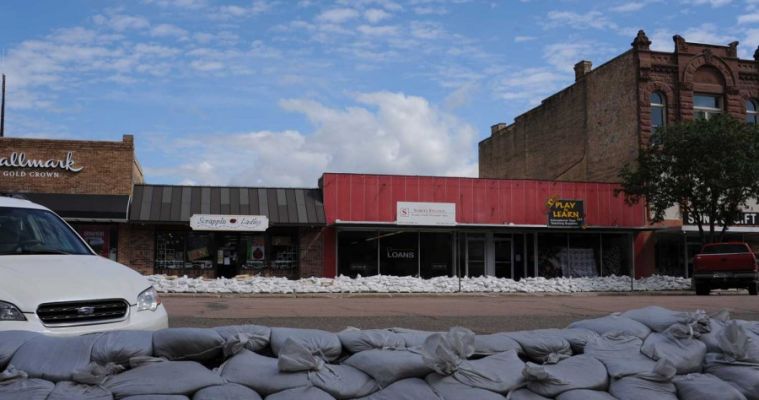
column 481, row 313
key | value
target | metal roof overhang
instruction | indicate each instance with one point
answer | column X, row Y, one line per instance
column 83, row 207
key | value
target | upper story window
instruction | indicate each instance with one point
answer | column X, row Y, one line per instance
column 658, row 110
column 706, row 106
column 752, row 114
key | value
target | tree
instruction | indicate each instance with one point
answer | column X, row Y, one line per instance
column 710, row 168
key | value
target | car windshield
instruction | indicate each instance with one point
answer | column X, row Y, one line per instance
column 33, row 231
column 725, row 249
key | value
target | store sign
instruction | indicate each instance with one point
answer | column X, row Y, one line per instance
column 400, row 254
column 568, row 213
column 246, row 223
column 745, row 218
column 410, row 213
column 50, row 167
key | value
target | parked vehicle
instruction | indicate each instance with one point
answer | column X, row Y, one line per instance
column 725, row 265
column 52, row 282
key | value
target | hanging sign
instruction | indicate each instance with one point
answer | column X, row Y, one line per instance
column 212, row 222
column 568, row 213
column 411, row 213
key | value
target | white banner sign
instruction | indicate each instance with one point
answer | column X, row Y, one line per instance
column 210, row 222
column 410, row 213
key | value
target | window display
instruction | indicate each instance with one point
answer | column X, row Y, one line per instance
column 357, row 253
column 399, row 253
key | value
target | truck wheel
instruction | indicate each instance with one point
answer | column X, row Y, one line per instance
column 702, row 289
column 752, row 289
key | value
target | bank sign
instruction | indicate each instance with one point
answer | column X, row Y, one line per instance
column 567, row 213
column 240, row 223
column 413, row 213
column 17, row 164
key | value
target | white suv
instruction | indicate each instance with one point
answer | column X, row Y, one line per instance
column 52, row 282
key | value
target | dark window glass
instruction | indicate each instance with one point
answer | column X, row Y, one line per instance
column 169, row 250
column 32, row 231
column 706, row 101
column 475, row 254
column 399, row 253
column 658, row 111
column 752, row 117
column 657, row 98
column 357, row 253
column 436, row 254
column 725, row 249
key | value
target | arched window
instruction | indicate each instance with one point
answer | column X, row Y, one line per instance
column 752, row 114
column 658, row 110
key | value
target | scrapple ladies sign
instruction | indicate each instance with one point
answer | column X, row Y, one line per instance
column 569, row 213
column 211, row 222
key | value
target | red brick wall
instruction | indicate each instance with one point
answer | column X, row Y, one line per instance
column 137, row 247
column 107, row 167
column 311, row 251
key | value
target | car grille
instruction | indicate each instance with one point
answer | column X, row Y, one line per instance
column 82, row 312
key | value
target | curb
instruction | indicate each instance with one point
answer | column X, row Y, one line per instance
column 455, row 294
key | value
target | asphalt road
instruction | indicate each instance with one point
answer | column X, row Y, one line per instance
column 482, row 313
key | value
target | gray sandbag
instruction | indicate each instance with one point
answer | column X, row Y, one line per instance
column 543, row 345
column 717, row 322
column 119, row 346
column 448, row 356
column 743, row 375
column 656, row 384
column 613, row 324
column 10, row 341
column 325, row 344
column 237, row 337
column 157, row 397
column 228, row 391
column 413, row 338
column 678, row 346
column 72, row 390
column 167, row 377
column 260, row 373
column 578, row 338
column 658, row 319
column 620, row 354
column 406, row 389
column 53, row 358
column 705, row 387
column 388, row 366
column 301, row 393
column 578, row 372
column 585, row 394
column 525, row 394
column 486, row 345
column 340, row 381
column 25, row 389
column 733, row 342
column 356, row 340
column 96, row 374
column 448, row 388
column 188, row 344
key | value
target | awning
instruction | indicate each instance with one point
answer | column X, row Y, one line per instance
column 176, row 204
column 83, row 207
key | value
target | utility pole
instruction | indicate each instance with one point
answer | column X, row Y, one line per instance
column 2, row 111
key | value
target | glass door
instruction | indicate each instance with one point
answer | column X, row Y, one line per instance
column 475, row 254
column 503, row 255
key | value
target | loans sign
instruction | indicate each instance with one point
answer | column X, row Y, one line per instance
column 569, row 213
column 412, row 213
column 214, row 222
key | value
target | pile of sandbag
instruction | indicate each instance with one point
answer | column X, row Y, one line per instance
column 648, row 353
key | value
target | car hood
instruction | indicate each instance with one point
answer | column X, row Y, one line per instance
column 30, row 280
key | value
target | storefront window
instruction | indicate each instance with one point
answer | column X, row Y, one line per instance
column 255, row 253
column 284, row 255
column 437, row 258
column 357, row 253
column 552, row 250
column 169, row 251
column 583, row 256
column 474, row 253
column 670, row 254
column 616, row 254
column 399, row 253
column 103, row 239
column 199, row 251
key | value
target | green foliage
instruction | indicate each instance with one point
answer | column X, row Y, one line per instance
column 709, row 168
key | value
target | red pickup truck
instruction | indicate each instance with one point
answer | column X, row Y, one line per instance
column 725, row 265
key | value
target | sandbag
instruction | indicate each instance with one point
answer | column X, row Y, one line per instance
column 157, row 397
column 543, row 345
column 705, row 387
column 53, row 358
column 620, row 354
column 447, row 356
column 486, row 345
column 168, row 377
column 656, row 384
column 413, row 338
column 658, row 319
column 406, row 389
column 389, row 366
column 678, row 346
column 448, row 388
column 717, row 322
column 188, row 344
column 10, row 341
column 340, row 381
column 743, row 375
column 735, row 343
column 301, row 393
column 72, row 390
column 119, row 346
column 578, row 372
column 585, row 394
column 25, row 389
column 613, row 324
column 96, row 374
column 525, row 394
column 229, row 391
column 323, row 343
column 237, row 337
column 260, row 373
column 356, row 340
column 578, row 338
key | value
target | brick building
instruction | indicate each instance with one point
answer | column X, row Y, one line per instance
column 591, row 129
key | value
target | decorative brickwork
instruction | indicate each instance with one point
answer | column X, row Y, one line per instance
column 311, row 252
column 137, row 247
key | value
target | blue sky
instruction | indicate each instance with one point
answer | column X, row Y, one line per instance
column 267, row 92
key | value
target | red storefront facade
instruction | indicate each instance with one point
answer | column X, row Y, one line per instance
column 494, row 219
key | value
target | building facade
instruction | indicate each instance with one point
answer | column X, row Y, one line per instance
column 593, row 128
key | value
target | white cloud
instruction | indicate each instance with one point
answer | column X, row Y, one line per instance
column 371, row 30
column 713, row 3
column 520, row 39
column 337, row 15
column 168, row 30
column 591, row 19
column 426, row 30
column 375, row 15
column 708, row 33
column 121, row 22
column 231, row 11
column 431, row 10
column 748, row 18
column 189, row 4
column 564, row 56
column 530, row 85
column 382, row 133
column 631, row 6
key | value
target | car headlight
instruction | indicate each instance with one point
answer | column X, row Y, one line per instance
column 9, row 312
column 148, row 300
